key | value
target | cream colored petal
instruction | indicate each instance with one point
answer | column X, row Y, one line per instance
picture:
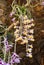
column 31, row 31
column 30, row 36
column 24, row 42
column 29, row 50
column 17, row 31
column 30, row 55
column 18, row 39
column 25, row 17
column 31, row 46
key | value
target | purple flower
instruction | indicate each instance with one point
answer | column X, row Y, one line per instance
column 2, row 62
column 13, row 19
column 7, row 46
column 15, row 55
column 12, row 14
column 7, row 64
column 15, row 58
column 5, row 41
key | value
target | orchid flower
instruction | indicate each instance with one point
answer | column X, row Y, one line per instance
column 29, row 50
column 15, row 55
column 31, row 46
column 12, row 14
column 5, row 41
column 15, row 58
column 31, row 31
column 13, row 19
column 3, row 63
column 7, row 46
column 29, row 55
column 7, row 64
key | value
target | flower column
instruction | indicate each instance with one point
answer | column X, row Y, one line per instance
column 28, row 31
column 30, row 37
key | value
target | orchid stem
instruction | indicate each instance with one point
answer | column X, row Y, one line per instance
column 9, row 57
column 4, row 53
column 0, row 41
column 21, row 24
column 15, row 50
column 15, row 47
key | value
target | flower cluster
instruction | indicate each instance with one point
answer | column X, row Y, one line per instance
column 23, row 30
column 29, row 50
